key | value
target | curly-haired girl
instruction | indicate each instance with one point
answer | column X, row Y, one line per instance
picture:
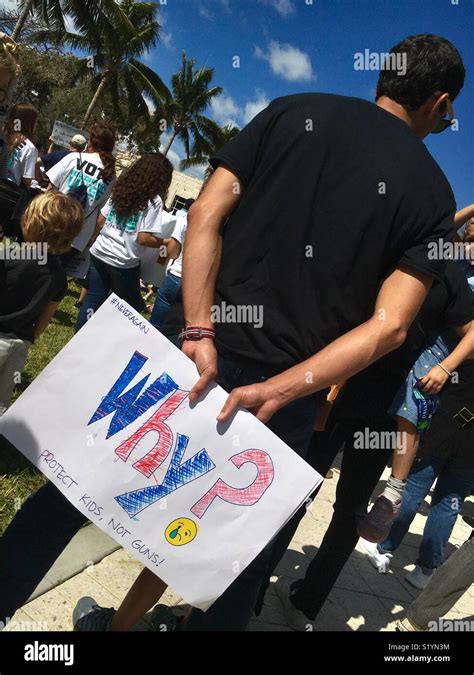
column 129, row 221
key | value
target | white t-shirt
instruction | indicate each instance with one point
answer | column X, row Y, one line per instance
column 22, row 162
column 71, row 172
column 179, row 233
column 117, row 243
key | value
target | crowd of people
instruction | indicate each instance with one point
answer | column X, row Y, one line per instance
column 366, row 334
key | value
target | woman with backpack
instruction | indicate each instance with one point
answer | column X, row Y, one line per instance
column 89, row 177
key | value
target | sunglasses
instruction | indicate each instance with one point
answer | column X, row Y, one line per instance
column 444, row 123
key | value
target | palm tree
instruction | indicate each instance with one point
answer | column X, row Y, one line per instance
column 201, row 153
column 113, row 46
column 53, row 13
column 184, row 111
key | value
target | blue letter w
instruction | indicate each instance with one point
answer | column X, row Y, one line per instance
column 129, row 406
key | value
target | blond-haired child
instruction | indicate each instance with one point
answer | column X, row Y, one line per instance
column 32, row 281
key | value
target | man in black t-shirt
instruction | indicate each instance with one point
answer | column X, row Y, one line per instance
column 320, row 209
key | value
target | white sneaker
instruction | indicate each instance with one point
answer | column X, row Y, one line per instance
column 418, row 579
column 295, row 618
column 381, row 561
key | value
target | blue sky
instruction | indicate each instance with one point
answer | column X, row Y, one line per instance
column 290, row 46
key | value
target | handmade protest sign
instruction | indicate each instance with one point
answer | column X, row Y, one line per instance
column 63, row 133
column 108, row 421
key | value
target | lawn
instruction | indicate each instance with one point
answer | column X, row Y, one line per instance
column 18, row 478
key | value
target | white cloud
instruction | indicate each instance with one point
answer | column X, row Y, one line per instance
column 224, row 110
column 283, row 7
column 252, row 108
column 173, row 154
column 166, row 39
column 287, row 62
column 206, row 13
column 150, row 104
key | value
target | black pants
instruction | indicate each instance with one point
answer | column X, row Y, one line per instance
column 360, row 472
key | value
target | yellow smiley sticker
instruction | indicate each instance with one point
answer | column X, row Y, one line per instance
column 181, row 531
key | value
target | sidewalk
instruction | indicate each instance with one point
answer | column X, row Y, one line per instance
column 362, row 599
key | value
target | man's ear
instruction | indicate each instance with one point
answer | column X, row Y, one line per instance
column 439, row 103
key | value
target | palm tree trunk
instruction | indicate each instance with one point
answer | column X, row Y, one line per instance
column 170, row 143
column 94, row 101
column 22, row 19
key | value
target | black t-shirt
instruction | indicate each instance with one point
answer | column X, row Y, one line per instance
column 337, row 193
column 52, row 158
column 26, row 287
column 449, row 304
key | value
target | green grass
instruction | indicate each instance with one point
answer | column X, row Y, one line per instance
column 18, row 478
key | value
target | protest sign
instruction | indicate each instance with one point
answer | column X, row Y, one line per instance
column 77, row 265
column 62, row 134
column 108, row 421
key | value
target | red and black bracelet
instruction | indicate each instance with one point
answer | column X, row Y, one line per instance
column 195, row 333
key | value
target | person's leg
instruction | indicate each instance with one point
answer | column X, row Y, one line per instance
column 125, row 282
column 142, row 596
column 452, row 487
column 407, row 446
column 419, row 482
column 37, row 535
column 99, row 288
column 447, row 586
column 13, row 355
column 360, row 471
column 165, row 297
column 323, row 449
column 376, row 524
column 293, row 424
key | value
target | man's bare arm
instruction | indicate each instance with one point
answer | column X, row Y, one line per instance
column 398, row 302
column 201, row 261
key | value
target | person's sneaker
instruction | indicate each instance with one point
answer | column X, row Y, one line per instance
column 418, row 579
column 89, row 617
column 406, row 626
column 164, row 619
column 376, row 524
column 381, row 561
column 295, row 618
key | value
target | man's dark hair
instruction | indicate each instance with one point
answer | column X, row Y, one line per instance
column 432, row 64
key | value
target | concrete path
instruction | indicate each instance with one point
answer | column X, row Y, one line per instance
column 362, row 599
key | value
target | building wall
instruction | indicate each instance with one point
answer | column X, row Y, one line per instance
column 183, row 185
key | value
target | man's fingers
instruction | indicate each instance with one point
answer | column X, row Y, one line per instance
column 201, row 385
column 230, row 406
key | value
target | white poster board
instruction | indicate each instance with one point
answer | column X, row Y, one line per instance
column 108, row 421
column 78, row 265
column 62, row 134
